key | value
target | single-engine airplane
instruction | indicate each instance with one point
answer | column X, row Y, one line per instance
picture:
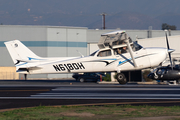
column 117, row 53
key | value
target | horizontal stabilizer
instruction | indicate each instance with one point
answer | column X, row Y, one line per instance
column 27, row 69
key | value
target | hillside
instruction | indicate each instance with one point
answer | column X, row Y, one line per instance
column 124, row 14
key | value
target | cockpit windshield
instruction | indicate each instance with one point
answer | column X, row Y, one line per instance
column 136, row 47
column 94, row 53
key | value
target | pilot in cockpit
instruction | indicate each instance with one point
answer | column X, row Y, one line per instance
column 124, row 49
column 121, row 50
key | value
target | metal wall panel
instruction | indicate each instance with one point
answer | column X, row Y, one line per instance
column 57, row 51
column 92, row 47
column 77, row 35
column 23, row 33
column 57, row 76
column 175, row 32
column 65, row 42
column 139, row 33
column 34, row 76
column 39, row 51
column 76, row 51
column 158, row 33
column 5, row 59
column 27, row 34
column 56, row 34
column 94, row 35
column 174, row 43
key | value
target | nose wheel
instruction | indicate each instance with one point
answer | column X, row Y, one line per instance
column 121, row 78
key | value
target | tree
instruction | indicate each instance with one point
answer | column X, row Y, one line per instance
column 165, row 26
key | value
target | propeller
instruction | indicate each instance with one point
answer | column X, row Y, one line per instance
column 169, row 50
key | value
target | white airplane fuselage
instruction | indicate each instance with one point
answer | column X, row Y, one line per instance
column 145, row 58
column 117, row 53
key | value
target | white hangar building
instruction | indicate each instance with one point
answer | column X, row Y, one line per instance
column 63, row 41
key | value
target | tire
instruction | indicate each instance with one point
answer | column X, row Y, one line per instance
column 81, row 79
column 121, row 78
column 178, row 81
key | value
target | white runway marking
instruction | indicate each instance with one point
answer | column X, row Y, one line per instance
column 110, row 93
column 94, row 89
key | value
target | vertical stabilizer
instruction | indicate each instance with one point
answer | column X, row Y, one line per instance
column 19, row 51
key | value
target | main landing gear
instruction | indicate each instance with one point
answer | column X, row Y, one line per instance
column 121, row 78
column 25, row 76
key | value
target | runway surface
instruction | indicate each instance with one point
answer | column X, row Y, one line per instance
column 30, row 93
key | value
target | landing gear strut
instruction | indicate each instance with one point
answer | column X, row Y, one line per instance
column 121, row 78
column 25, row 76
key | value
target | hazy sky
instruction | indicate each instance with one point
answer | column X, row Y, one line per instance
column 86, row 13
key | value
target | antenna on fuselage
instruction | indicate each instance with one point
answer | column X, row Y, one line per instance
column 80, row 53
column 137, row 38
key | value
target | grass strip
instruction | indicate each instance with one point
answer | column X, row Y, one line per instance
column 106, row 112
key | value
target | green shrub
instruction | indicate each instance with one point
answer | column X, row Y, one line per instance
column 107, row 77
column 145, row 74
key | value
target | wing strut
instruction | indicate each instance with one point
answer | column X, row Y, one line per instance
column 131, row 52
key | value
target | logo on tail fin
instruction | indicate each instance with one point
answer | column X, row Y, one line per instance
column 16, row 45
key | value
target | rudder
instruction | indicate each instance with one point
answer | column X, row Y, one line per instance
column 18, row 51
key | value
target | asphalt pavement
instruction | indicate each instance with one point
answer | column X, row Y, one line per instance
column 28, row 93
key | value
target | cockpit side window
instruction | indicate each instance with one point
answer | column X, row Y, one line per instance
column 104, row 53
column 120, row 50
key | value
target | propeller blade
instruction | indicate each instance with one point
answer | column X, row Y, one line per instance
column 170, row 60
column 169, row 50
column 167, row 41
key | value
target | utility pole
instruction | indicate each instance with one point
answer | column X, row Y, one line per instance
column 103, row 20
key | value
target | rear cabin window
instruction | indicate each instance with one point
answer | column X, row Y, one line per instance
column 104, row 53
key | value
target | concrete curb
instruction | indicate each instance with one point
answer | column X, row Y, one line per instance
column 105, row 82
column 139, row 83
column 152, row 83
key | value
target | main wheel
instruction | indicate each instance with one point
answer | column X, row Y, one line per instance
column 81, row 79
column 121, row 78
